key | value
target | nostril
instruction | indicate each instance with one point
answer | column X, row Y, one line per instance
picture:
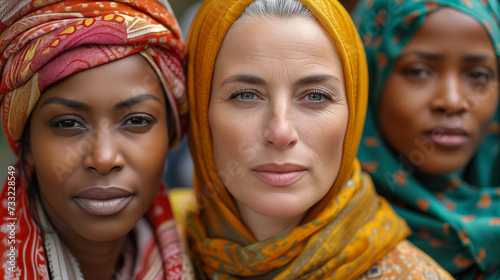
column 458, row 111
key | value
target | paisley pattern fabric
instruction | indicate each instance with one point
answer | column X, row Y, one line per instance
column 344, row 234
column 42, row 42
column 454, row 218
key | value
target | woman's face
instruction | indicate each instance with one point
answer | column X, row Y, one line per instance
column 442, row 94
column 278, row 115
column 98, row 141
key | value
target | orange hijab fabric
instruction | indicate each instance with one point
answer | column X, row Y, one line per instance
column 341, row 236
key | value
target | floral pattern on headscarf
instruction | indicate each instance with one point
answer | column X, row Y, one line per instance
column 454, row 218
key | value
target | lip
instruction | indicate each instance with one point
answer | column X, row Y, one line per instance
column 448, row 137
column 103, row 201
column 279, row 175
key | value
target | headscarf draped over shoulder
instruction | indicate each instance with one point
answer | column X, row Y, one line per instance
column 455, row 217
column 42, row 42
column 344, row 233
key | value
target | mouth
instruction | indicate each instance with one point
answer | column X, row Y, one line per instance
column 449, row 138
column 101, row 201
column 279, row 175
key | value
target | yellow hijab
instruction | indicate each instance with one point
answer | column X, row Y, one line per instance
column 343, row 234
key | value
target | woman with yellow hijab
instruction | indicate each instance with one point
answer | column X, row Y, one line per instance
column 277, row 94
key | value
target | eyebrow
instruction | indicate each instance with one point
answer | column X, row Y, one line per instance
column 255, row 80
column 315, row 79
column 478, row 58
column 67, row 102
column 425, row 55
column 244, row 78
column 432, row 56
column 134, row 100
column 84, row 107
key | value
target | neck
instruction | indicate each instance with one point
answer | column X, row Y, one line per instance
column 264, row 227
column 97, row 260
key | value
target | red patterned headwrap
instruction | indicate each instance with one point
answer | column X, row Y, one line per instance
column 44, row 41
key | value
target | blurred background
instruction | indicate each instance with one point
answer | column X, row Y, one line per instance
column 179, row 166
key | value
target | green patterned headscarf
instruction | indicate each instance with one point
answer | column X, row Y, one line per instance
column 454, row 218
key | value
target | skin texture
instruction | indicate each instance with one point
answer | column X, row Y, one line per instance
column 81, row 137
column 444, row 82
column 279, row 101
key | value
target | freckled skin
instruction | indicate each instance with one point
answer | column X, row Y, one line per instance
column 272, row 117
column 99, row 144
column 459, row 86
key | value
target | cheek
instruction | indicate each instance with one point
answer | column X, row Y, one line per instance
column 53, row 160
column 228, row 134
column 326, row 139
column 483, row 114
column 148, row 156
column 399, row 115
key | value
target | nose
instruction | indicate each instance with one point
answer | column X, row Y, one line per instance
column 450, row 97
column 280, row 130
column 104, row 155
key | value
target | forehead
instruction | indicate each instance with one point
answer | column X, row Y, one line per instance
column 446, row 26
column 109, row 83
column 298, row 42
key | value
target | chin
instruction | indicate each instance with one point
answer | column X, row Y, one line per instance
column 281, row 208
column 442, row 166
column 106, row 234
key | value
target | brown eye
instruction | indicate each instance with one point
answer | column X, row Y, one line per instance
column 417, row 72
column 138, row 121
column 66, row 124
column 481, row 76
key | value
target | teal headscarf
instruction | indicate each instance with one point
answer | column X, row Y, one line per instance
column 454, row 218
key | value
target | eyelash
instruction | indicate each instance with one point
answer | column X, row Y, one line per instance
column 234, row 96
column 411, row 72
column 58, row 123
column 320, row 93
column 149, row 120
column 424, row 72
column 485, row 76
column 237, row 94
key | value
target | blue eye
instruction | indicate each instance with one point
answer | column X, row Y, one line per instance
column 317, row 96
column 244, row 95
column 314, row 97
column 247, row 95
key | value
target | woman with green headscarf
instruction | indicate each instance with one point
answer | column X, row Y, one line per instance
column 431, row 139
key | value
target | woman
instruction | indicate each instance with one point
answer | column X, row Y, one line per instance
column 87, row 89
column 274, row 129
column 431, row 138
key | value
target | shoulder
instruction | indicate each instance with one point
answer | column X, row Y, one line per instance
column 406, row 261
